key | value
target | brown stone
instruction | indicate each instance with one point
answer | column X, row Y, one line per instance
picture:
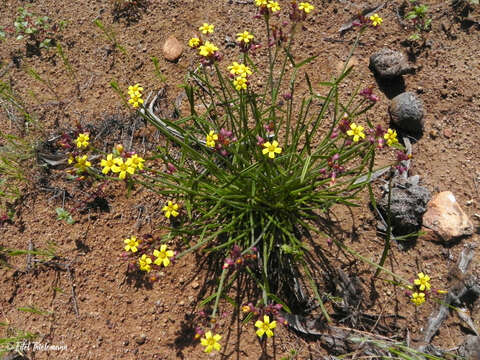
column 444, row 219
column 172, row 49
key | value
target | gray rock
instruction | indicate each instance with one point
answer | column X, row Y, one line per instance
column 470, row 349
column 389, row 64
column 407, row 204
column 406, row 112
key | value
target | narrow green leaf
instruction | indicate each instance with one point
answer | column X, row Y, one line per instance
column 306, row 167
column 306, row 61
column 33, row 310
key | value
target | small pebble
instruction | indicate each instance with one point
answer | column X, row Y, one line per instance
column 447, row 133
column 172, row 49
column 140, row 340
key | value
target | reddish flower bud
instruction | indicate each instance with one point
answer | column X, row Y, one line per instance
column 260, row 141
column 171, row 168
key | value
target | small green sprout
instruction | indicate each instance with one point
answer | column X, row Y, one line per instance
column 38, row 30
column 63, row 214
column 27, row 23
column 421, row 22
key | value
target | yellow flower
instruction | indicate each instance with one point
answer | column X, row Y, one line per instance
column 131, row 244
column 135, row 93
column 206, row 28
column 265, row 326
column 82, row 140
column 271, row 149
column 135, row 101
column 71, row 159
column 123, row 168
column 162, row 256
column 135, row 90
column 418, row 298
column 234, row 68
column 210, row 342
column 244, row 37
column 170, row 210
column 356, row 131
column 194, row 42
column 211, row 138
column 144, row 263
column 107, row 164
column 208, row 49
column 376, row 20
column 240, row 83
column 273, row 5
column 423, row 282
column 244, row 70
column 391, row 137
column 305, row 6
column 261, row 2
column 82, row 163
column 137, row 161
column 239, row 69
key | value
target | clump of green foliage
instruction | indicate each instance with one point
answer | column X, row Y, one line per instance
column 256, row 169
column 17, row 147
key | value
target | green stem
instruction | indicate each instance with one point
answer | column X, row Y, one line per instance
column 317, row 295
column 219, row 292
